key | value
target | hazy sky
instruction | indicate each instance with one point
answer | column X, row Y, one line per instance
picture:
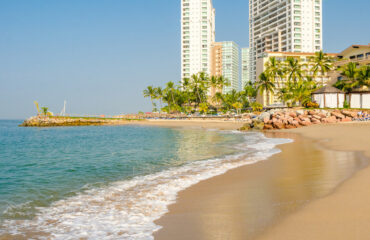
column 100, row 54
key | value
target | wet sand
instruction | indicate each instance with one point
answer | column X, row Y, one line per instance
column 308, row 191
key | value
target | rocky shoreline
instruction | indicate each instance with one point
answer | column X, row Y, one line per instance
column 40, row 121
column 289, row 119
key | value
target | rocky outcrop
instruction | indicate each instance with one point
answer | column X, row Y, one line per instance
column 40, row 121
column 288, row 118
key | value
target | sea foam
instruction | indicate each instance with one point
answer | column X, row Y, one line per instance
column 128, row 209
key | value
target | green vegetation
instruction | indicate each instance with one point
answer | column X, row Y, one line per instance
column 299, row 84
column 201, row 93
column 353, row 76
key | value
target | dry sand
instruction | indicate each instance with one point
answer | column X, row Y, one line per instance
column 207, row 124
column 296, row 194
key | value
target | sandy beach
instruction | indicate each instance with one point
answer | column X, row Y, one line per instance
column 316, row 188
column 205, row 124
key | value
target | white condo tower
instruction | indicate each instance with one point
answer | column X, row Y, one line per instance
column 284, row 26
column 197, row 36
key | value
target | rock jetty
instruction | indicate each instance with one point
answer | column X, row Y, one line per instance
column 288, row 119
column 40, row 121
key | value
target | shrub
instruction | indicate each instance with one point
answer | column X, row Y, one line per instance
column 312, row 105
column 346, row 104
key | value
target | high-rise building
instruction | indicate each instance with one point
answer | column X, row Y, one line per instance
column 230, row 65
column 197, row 36
column 245, row 66
column 216, row 61
column 284, row 26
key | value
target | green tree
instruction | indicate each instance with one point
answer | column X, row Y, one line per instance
column 150, row 92
column 159, row 95
column 322, row 63
column 293, row 69
column 349, row 71
column 363, row 76
column 238, row 106
column 274, row 70
column 203, row 107
column 264, row 84
column 45, row 111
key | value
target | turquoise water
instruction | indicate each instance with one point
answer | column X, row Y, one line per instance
column 39, row 166
column 108, row 182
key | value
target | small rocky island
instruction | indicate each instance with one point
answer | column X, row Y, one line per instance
column 47, row 121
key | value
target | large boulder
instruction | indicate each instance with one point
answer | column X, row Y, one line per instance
column 349, row 114
column 279, row 125
column 264, row 115
column 268, row 127
column 338, row 115
column 258, row 125
column 331, row 119
column 300, row 112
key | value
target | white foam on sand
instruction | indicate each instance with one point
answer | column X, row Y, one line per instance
column 128, row 209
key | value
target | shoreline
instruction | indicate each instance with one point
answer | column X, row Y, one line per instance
column 274, row 229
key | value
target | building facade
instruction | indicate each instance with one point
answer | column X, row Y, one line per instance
column 284, row 26
column 197, row 36
column 216, row 61
column 307, row 64
column 230, row 65
column 245, row 66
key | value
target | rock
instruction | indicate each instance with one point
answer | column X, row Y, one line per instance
column 258, row 125
column 268, row 127
column 349, row 114
column 337, row 114
column 315, row 121
column 278, row 125
column 295, row 123
column 347, row 119
column 264, row 115
column 331, row 119
column 311, row 112
column 290, row 126
column 293, row 114
column 300, row 112
column 316, row 117
column 306, row 123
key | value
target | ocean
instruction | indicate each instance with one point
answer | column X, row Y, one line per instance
column 109, row 182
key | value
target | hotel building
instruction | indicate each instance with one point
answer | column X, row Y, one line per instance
column 197, row 36
column 245, row 66
column 284, row 26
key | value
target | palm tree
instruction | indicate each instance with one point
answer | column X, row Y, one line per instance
column 265, row 84
column 274, row 69
column 350, row 72
column 218, row 98
column 363, row 76
column 322, row 64
column 45, row 110
column 199, row 84
column 159, row 95
column 222, row 82
column 151, row 93
column 169, row 91
column 250, row 91
column 214, row 84
column 293, row 69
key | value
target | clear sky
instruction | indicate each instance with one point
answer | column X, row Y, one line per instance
column 100, row 54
